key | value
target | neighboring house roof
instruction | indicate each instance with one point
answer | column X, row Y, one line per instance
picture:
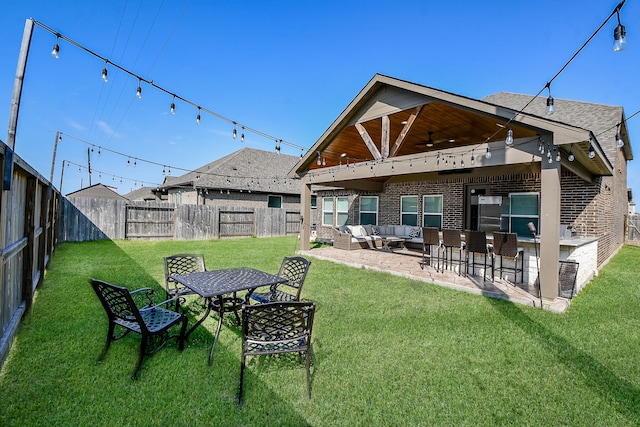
column 245, row 169
column 142, row 194
column 97, row 191
column 600, row 119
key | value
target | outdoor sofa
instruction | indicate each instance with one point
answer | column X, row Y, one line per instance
column 351, row 237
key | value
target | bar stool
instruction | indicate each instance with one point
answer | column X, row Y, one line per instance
column 505, row 245
column 477, row 243
column 430, row 238
column 451, row 240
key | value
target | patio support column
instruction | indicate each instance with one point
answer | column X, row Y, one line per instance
column 549, row 229
column 305, row 206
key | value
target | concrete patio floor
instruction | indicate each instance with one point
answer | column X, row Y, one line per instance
column 405, row 263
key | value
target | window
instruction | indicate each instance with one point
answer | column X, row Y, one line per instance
column 369, row 210
column 432, row 211
column 327, row 211
column 274, row 202
column 409, row 210
column 518, row 210
column 342, row 210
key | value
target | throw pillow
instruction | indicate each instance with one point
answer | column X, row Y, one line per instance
column 375, row 230
column 414, row 232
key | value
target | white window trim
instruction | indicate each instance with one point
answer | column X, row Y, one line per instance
column 333, row 203
column 433, row 213
column 338, row 212
column 368, row 212
column 416, row 213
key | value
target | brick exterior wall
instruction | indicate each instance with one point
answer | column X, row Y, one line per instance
column 598, row 209
column 234, row 198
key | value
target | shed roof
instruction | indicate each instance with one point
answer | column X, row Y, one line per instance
column 97, row 191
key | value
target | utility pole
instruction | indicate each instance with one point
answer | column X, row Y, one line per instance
column 53, row 158
column 61, row 176
column 15, row 102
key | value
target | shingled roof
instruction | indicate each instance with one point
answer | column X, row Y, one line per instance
column 245, row 169
column 142, row 194
column 598, row 118
column 97, row 191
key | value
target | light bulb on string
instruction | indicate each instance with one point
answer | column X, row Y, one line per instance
column 488, row 153
column 619, row 141
column 473, row 158
column 105, row 73
column 198, row 117
column 571, row 157
column 619, row 35
column 550, row 107
column 558, row 156
column 139, row 90
column 172, row 108
column 235, row 131
column 592, row 152
column 55, row 52
column 242, row 135
column 509, row 139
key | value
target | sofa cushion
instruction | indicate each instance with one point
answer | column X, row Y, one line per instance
column 358, row 231
column 386, row 230
column 414, row 232
column 344, row 229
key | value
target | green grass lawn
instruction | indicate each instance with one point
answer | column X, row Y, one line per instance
column 387, row 351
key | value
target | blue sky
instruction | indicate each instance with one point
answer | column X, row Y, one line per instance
column 284, row 68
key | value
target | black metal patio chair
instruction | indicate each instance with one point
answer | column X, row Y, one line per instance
column 152, row 322
column 295, row 270
column 277, row 328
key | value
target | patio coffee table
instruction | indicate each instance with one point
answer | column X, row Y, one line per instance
column 215, row 283
column 397, row 241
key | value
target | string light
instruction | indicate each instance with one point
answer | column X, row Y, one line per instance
column 619, row 141
column 172, row 109
column 550, row 107
column 235, row 131
column 139, row 90
column 571, row 157
column 105, row 73
column 242, row 135
column 198, row 117
column 509, row 139
column 488, row 154
column 619, row 33
column 55, row 52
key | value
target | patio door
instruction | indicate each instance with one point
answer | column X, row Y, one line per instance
column 472, row 207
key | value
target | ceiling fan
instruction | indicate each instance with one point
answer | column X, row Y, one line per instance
column 430, row 142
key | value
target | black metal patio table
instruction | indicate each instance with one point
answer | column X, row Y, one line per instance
column 215, row 283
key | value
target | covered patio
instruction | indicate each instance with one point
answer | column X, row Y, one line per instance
column 400, row 142
column 404, row 263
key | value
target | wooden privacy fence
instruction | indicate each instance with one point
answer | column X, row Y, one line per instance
column 633, row 230
column 91, row 219
column 28, row 212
